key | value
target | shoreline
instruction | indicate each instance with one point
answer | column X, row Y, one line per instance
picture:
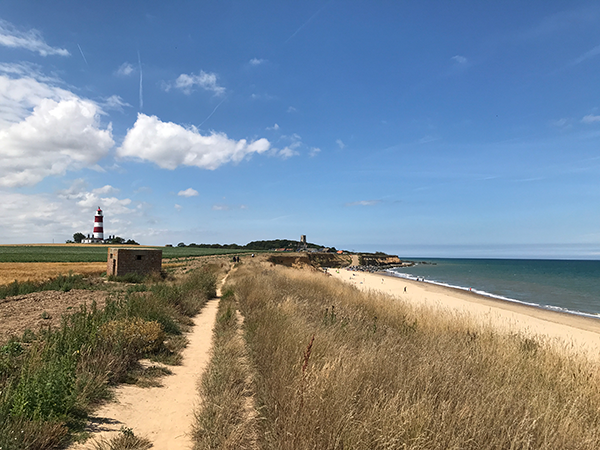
column 499, row 299
column 576, row 332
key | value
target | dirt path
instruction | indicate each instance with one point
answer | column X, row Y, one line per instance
column 162, row 414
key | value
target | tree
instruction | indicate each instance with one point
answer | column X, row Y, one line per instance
column 131, row 242
column 78, row 237
column 181, row 244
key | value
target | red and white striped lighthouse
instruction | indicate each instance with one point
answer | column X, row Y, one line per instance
column 98, row 226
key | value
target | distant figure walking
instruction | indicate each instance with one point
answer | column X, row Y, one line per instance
column 404, row 288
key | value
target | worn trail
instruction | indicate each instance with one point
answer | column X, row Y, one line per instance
column 163, row 414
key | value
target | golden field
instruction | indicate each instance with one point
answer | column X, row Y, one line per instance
column 12, row 271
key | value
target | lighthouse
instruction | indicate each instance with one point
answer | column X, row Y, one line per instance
column 98, row 226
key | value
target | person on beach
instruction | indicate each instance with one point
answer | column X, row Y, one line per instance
column 404, row 288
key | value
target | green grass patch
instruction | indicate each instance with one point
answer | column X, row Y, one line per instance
column 93, row 253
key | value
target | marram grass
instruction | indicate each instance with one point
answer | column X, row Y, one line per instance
column 336, row 368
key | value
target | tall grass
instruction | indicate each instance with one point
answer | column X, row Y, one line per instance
column 47, row 386
column 226, row 420
column 337, row 368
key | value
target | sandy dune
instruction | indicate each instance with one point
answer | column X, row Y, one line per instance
column 575, row 333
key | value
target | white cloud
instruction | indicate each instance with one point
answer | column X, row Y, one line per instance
column 125, row 70
column 590, row 118
column 105, row 190
column 314, row 151
column 291, row 109
column 169, row 145
column 560, row 123
column 287, row 152
column 31, row 40
column 257, row 62
column 340, row 144
column 274, row 127
column 459, row 59
column 220, row 208
column 178, row 207
column 46, row 130
column 186, row 83
column 47, row 216
column 115, row 103
column 189, row 192
column 364, row 203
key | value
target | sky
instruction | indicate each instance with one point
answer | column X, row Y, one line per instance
column 434, row 129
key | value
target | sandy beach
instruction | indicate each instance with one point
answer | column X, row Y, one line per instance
column 568, row 331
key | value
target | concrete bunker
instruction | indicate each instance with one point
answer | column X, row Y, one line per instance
column 142, row 261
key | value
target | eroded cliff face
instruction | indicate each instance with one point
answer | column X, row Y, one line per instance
column 379, row 260
column 335, row 260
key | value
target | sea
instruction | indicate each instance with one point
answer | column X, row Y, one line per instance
column 569, row 286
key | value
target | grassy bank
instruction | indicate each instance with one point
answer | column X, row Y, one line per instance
column 50, row 380
column 336, row 368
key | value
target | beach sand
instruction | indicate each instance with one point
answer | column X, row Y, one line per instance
column 566, row 331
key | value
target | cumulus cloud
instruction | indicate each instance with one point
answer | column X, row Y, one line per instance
column 187, row 83
column 46, row 131
column 314, row 152
column 590, row 118
column 289, row 150
column 364, row 203
column 46, row 216
column 178, row 207
column 340, row 144
column 274, row 127
column 124, row 70
column 31, row 40
column 106, row 190
column 257, row 62
column 189, row 192
column 170, row 145
column 291, row 109
column 220, row 208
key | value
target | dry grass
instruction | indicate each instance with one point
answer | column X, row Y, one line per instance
column 10, row 272
column 335, row 368
column 226, row 419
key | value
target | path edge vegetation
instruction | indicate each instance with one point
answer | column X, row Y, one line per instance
column 52, row 379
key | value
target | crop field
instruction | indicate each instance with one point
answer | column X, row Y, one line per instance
column 71, row 253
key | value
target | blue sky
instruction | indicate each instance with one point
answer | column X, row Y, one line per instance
column 419, row 128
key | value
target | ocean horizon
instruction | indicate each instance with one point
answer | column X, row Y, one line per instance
column 565, row 285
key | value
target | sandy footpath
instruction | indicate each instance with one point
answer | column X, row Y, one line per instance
column 576, row 333
column 162, row 414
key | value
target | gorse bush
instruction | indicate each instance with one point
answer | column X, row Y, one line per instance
column 48, row 384
column 337, row 368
